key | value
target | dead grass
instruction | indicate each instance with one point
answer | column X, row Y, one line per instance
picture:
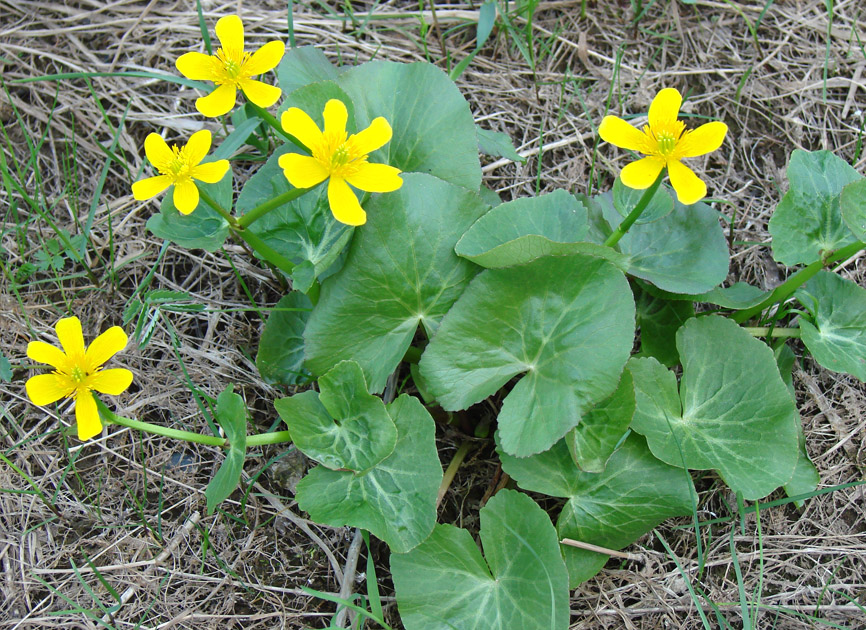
column 134, row 505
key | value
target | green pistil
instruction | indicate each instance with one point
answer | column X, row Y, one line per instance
column 667, row 143
column 340, row 157
column 78, row 375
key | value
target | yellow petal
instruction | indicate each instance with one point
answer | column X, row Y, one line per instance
column 230, row 30
column 690, row 189
column 104, row 347
column 621, row 134
column 212, row 172
column 261, row 94
column 344, row 204
column 643, row 173
column 45, row 389
column 335, row 116
column 196, row 66
column 157, row 150
column 46, row 353
column 298, row 123
column 86, row 415
column 705, row 139
column 302, row 171
column 377, row 178
column 150, row 187
column 376, row 135
column 218, row 102
column 198, row 146
column 265, row 58
column 113, row 381
column 665, row 107
column 69, row 333
column 185, row 196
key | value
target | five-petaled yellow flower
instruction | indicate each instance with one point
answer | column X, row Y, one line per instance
column 231, row 68
column 665, row 141
column 340, row 157
column 179, row 166
column 78, row 371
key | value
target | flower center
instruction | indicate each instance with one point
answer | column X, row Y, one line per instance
column 232, row 65
column 78, row 375
column 667, row 142
column 340, row 157
column 179, row 167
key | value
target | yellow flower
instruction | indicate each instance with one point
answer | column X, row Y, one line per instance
column 342, row 158
column 665, row 141
column 231, row 69
column 77, row 372
column 179, row 166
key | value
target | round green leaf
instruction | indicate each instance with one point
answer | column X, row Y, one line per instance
column 445, row 583
column 280, row 358
column 625, row 200
column 808, row 220
column 302, row 66
column 732, row 414
column 203, row 228
column 401, row 270
column 566, row 323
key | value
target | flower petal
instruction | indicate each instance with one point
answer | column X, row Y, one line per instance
column 643, row 173
column 86, row 415
column 265, row 58
column 376, row 135
column 261, row 94
column 46, row 353
column 150, row 187
column 113, row 381
column 69, row 333
column 705, row 139
column 218, row 102
column 344, row 204
column 45, row 389
column 690, row 189
column 665, row 107
column 212, row 172
column 230, row 30
column 185, row 196
column 157, row 150
column 335, row 116
column 298, row 123
column 198, row 146
column 621, row 134
column 196, row 66
column 377, row 178
column 104, row 347
column 302, row 171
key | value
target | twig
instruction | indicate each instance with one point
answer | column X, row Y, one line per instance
column 610, row 552
column 349, row 575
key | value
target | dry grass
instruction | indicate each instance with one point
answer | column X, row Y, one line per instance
column 134, row 504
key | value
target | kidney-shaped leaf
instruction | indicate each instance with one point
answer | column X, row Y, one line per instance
column 732, row 414
column 302, row 66
column 565, row 322
column 625, row 199
column 203, row 228
column 520, row 582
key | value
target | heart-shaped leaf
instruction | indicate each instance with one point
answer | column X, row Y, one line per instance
column 231, row 413
column 302, row 66
column 280, row 358
column 445, row 583
column 203, row 228
column 625, row 200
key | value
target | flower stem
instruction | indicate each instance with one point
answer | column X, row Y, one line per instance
column 784, row 290
column 448, row 477
column 266, row 251
column 187, row 436
column 634, row 215
column 262, row 209
column 278, row 437
column 216, row 206
column 275, row 124
column 765, row 331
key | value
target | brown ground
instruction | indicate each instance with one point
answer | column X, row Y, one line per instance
column 135, row 506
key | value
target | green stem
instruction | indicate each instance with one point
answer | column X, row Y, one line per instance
column 266, row 251
column 634, row 215
column 314, row 292
column 784, row 290
column 275, row 124
column 33, row 485
column 262, row 209
column 277, row 437
column 448, row 477
column 766, row 331
column 216, row 206
column 187, row 436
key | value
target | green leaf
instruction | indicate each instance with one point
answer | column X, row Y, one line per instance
column 400, row 271
column 593, row 441
column 684, row 252
column 837, row 339
column 732, row 414
column 396, row 499
column 280, row 359
column 203, row 228
column 565, row 323
column 302, row 66
column 613, row 509
column 445, row 583
column 659, row 321
column 236, row 139
column 231, row 413
column 342, row 427
column 625, row 200
column 808, row 220
column 497, row 144
column 739, row 296
column 5, row 368
column 853, row 206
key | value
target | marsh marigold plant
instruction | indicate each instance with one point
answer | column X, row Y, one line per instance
column 665, row 141
column 78, row 372
column 340, row 158
column 231, row 69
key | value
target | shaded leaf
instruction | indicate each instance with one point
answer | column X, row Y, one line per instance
column 280, row 359
column 203, row 228
column 231, row 414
